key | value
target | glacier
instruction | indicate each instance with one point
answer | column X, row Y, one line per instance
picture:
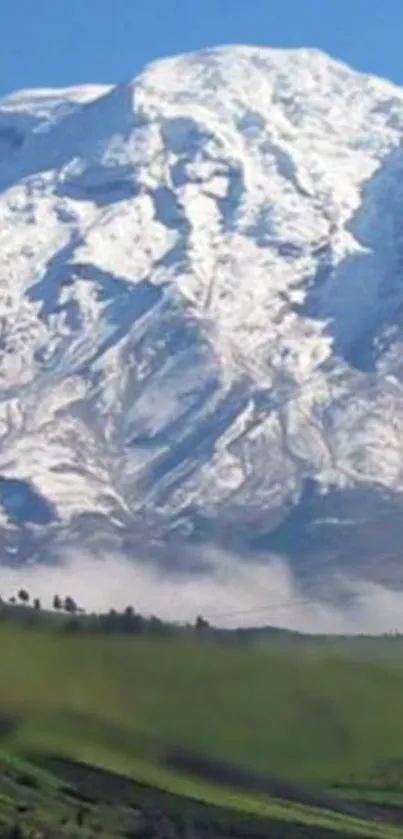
column 201, row 306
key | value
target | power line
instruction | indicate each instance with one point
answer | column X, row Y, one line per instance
column 292, row 603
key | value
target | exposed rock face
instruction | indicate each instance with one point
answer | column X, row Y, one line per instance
column 200, row 313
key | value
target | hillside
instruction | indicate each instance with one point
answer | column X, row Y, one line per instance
column 200, row 316
column 306, row 710
column 294, row 734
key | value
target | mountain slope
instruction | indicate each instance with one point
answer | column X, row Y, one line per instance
column 200, row 312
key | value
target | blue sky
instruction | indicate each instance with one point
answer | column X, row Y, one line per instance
column 60, row 42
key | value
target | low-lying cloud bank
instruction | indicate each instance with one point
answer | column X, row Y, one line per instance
column 235, row 593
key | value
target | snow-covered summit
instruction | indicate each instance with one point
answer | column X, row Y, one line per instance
column 200, row 304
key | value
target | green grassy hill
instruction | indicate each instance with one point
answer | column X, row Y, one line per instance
column 294, row 715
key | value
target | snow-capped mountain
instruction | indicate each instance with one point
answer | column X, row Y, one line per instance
column 201, row 304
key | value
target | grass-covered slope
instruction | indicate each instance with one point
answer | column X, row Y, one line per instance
column 291, row 724
column 320, row 712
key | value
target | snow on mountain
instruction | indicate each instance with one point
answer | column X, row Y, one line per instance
column 200, row 312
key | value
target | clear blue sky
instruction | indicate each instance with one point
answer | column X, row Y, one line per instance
column 60, row 42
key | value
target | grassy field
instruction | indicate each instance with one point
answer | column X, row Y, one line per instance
column 301, row 718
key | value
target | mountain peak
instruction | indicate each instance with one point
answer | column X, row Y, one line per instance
column 200, row 304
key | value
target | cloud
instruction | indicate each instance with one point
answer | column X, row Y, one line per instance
column 234, row 593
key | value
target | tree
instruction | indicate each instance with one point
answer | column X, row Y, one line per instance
column 130, row 621
column 108, row 622
column 155, row 626
column 57, row 603
column 70, row 605
column 201, row 623
column 23, row 595
column 73, row 624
